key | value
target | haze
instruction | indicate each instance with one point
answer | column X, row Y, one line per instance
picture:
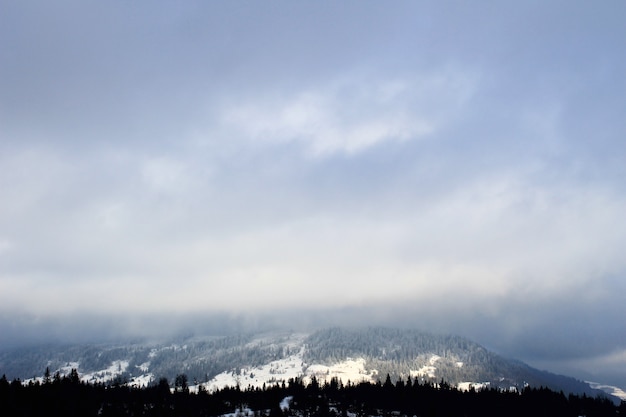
column 452, row 166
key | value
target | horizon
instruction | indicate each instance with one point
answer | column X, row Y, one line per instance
column 454, row 167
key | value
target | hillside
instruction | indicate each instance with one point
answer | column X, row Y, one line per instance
column 254, row 360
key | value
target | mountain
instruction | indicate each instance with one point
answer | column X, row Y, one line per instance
column 367, row 354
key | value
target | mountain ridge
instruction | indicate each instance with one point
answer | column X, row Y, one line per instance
column 348, row 354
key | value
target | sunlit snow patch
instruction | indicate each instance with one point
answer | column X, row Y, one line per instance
column 427, row 370
column 352, row 370
column 106, row 375
column 293, row 366
column 273, row 373
column 465, row 386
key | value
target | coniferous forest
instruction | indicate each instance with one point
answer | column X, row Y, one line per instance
column 68, row 396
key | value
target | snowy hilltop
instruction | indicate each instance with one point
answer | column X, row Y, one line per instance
column 258, row 360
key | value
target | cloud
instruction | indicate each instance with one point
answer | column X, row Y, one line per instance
column 350, row 114
column 483, row 245
column 444, row 168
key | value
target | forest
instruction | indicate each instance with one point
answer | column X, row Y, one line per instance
column 275, row 357
column 69, row 396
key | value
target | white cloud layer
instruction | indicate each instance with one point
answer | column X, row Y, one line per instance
column 456, row 167
column 351, row 115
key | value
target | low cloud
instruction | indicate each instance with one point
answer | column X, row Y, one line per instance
column 348, row 116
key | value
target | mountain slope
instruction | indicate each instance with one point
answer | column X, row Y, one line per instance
column 454, row 359
column 254, row 360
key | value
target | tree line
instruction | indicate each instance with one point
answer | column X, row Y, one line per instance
column 69, row 396
column 200, row 358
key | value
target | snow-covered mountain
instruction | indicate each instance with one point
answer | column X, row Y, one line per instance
column 253, row 360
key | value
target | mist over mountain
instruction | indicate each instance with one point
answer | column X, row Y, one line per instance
column 263, row 359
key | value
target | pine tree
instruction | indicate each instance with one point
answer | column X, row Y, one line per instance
column 180, row 383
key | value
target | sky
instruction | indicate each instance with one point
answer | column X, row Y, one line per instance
column 452, row 166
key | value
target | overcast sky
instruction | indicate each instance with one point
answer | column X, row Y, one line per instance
column 454, row 165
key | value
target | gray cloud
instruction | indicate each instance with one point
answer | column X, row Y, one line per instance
column 445, row 166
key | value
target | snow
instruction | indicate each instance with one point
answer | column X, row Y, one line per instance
column 141, row 381
column 426, row 370
column 154, row 351
column 272, row 373
column 109, row 374
column 37, row 379
column 143, row 367
column 609, row 389
column 106, row 375
column 284, row 404
column 239, row 413
column 465, row 386
column 293, row 366
column 65, row 370
column 116, row 369
column 277, row 372
column 352, row 370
